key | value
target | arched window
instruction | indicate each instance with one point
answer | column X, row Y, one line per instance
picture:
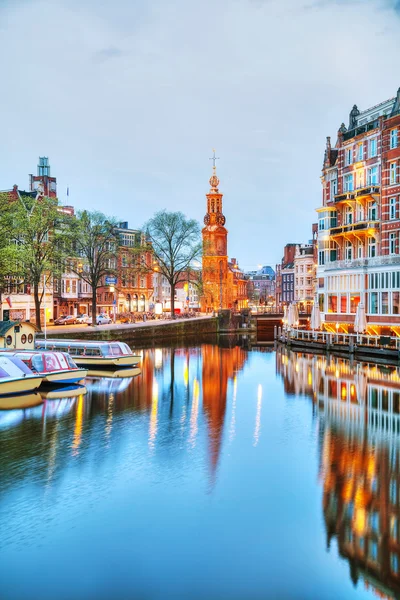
column 142, row 303
column 135, row 303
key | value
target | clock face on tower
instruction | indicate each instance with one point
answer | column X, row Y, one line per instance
column 220, row 219
column 207, row 219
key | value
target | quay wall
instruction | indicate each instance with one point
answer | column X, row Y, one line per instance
column 146, row 332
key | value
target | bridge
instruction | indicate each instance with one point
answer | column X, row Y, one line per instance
column 266, row 323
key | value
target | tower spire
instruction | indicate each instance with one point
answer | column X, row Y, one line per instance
column 214, row 158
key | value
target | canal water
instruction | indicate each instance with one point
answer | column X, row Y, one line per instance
column 218, row 472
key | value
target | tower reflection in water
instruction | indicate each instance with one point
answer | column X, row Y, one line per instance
column 358, row 407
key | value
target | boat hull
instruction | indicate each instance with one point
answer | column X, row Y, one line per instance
column 111, row 361
column 20, row 385
column 64, row 377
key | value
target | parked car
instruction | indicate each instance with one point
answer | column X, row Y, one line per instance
column 83, row 318
column 103, row 320
column 65, row 320
column 100, row 320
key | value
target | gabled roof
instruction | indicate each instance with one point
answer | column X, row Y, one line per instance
column 5, row 326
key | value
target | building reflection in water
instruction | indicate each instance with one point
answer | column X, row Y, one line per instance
column 219, row 366
column 359, row 418
column 182, row 392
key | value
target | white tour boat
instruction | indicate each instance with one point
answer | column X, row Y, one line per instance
column 93, row 353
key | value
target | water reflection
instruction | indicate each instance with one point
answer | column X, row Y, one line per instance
column 358, row 406
column 174, row 389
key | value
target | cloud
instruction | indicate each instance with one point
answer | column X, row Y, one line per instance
column 107, row 53
column 128, row 99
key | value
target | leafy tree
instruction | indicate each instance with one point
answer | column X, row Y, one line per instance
column 95, row 242
column 175, row 244
column 41, row 236
column 10, row 260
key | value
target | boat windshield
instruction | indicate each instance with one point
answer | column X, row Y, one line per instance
column 51, row 362
column 11, row 368
column 21, row 365
column 125, row 348
column 70, row 362
column 37, row 363
column 62, row 359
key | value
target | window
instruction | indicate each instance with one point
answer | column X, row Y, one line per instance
column 394, row 527
column 395, row 303
column 348, row 217
column 348, row 156
column 373, row 303
column 348, row 250
column 392, row 208
column 392, row 243
column 393, row 138
column 334, row 186
column 393, row 491
column 385, row 303
column 348, row 183
column 360, row 152
column 372, row 176
column 332, row 303
column 394, row 563
column 359, row 250
column 373, row 550
column 393, row 173
column 372, row 211
column 372, row 148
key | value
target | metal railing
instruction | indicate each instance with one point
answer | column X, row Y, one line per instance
column 344, row 339
column 376, row 261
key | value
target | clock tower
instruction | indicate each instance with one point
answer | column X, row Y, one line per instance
column 216, row 288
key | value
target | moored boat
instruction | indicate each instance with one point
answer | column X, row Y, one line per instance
column 93, row 353
column 54, row 367
column 16, row 377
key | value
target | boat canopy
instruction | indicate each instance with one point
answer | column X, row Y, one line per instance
column 83, row 348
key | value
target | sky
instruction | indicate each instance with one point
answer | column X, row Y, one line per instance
column 128, row 98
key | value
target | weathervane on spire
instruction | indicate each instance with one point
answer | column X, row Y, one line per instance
column 214, row 158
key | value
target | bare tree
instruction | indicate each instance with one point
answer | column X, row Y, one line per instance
column 175, row 244
column 95, row 242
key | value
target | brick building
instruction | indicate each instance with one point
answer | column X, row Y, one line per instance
column 359, row 221
column 285, row 277
column 224, row 285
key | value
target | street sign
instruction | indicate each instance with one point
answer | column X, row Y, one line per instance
column 114, row 302
column 111, row 280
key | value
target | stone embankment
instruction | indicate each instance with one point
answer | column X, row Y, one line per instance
column 136, row 333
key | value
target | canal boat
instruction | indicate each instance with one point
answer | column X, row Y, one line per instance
column 54, row 367
column 96, row 354
column 16, row 377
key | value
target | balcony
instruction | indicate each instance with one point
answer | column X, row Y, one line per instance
column 376, row 261
column 348, row 135
column 358, row 193
column 363, row 227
